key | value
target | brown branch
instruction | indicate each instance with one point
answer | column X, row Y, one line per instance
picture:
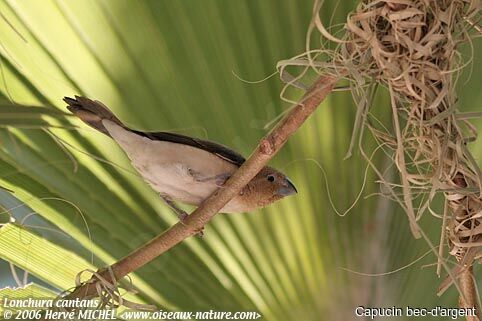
column 267, row 148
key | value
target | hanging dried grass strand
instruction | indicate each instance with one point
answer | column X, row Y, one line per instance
column 411, row 48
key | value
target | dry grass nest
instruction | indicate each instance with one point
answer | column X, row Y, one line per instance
column 411, row 48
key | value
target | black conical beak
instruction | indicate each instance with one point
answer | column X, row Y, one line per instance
column 287, row 189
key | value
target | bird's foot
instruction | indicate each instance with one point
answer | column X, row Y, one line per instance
column 199, row 232
column 181, row 214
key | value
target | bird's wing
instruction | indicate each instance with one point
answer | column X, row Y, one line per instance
column 183, row 172
column 93, row 112
column 211, row 147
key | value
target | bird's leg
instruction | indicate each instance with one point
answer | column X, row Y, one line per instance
column 218, row 179
column 182, row 215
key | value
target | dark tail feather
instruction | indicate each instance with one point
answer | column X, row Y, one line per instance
column 91, row 112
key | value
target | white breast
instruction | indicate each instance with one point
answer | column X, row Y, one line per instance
column 166, row 166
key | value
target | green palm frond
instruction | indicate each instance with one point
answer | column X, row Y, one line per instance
column 168, row 65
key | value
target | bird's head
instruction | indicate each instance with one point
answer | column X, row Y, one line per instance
column 268, row 186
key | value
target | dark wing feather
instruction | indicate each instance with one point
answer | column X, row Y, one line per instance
column 93, row 112
column 211, row 147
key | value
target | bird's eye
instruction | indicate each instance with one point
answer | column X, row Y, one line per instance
column 270, row 178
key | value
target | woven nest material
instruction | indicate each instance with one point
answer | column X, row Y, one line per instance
column 410, row 47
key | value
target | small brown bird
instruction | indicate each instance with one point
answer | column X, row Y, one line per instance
column 183, row 168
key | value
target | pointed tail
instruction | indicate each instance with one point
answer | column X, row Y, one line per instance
column 91, row 112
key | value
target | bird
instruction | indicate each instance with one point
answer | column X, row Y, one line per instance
column 181, row 168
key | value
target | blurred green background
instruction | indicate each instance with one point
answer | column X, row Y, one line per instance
column 168, row 65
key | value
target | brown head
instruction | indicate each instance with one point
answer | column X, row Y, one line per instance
column 268, row 186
